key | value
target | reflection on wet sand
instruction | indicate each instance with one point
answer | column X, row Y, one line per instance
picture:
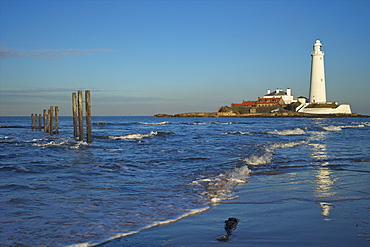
column 325, row 209
column 323, row 182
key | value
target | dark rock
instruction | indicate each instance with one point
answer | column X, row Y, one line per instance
column 230, row 226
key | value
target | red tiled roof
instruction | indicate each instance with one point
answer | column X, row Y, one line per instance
column 250, row 103
column 268, row 100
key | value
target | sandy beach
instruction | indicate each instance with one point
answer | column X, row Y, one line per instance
column 282, row 223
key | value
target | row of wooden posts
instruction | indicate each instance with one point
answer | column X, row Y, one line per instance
column 51, row 123
column 77, row 110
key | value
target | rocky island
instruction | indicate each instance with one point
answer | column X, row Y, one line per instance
column 263, row 115
column 282, row 103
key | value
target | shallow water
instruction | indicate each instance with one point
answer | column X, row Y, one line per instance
column 143, row 171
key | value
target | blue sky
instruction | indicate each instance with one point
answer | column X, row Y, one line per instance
column 148, row 57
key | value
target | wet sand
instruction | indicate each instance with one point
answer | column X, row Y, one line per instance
column 286, row 223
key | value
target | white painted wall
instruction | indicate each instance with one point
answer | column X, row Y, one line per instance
column 341, row 109
column 317, row 81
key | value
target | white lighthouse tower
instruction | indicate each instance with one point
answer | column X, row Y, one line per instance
column 317, row 82
column 318, row 104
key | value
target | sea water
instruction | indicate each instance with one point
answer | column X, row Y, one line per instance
column 141, row 172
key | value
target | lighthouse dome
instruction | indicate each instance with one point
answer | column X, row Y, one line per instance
column 318, row 43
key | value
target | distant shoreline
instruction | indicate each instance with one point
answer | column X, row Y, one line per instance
column 263, row 115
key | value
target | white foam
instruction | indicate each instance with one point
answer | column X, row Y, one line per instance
column 221, row 187
column 133, row 136
column 222, row 122
column 65, row 143
column 36, row 140
column 161, row 123
column 49, row 144
column 296, row 131
column 198, row 123
column 266, row 156
column 256, row 160
column 239, row 175
column 79, row 144
column 277, row 145
column 339, row 128
column 332, row 128
column 354, row 126
column 235, row 133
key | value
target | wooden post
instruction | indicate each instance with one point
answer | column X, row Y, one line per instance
column 56, row 119
column 80, row 116
column 45, row 122
column 74, row 111
column 48, row 127
column 51, row 120
column 32, row 121
column 35, row 121
column 88, row 116
column 39, row 127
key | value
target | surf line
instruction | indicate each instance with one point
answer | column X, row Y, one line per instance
column 153, row 224
column 319, row 199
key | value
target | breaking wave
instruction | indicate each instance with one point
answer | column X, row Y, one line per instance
column 332, row 128
column 132, row 136
column 266, row 156
column 296, row 131
column 235, row 133
column 363, row 123
column 138, row 136
column 221, row 187
column 161, row 123
column 201, row 123
column 277, row 145
column 63, row 144
column 339, row 128
column 255, row 160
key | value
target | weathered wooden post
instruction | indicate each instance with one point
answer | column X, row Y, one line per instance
column 88, row 116
column 39, row 127
column 32, row 121
column 51, row 120
column 80, row 116
column 45, row 122
column 74, row 111
column 56, row 119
